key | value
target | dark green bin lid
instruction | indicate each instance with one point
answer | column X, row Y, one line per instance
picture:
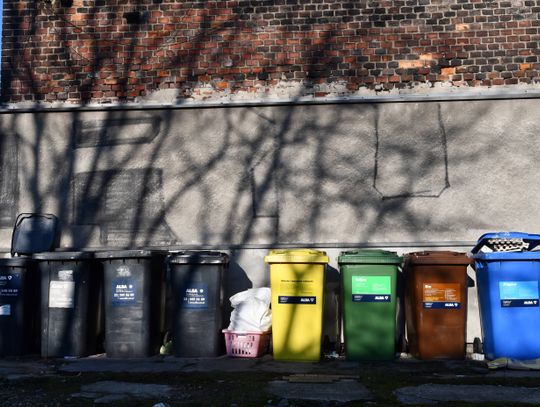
column 63, row 256
column 369, row 256
column 198, row 257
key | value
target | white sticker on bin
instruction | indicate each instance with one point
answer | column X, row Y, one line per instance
column 62, row 294
column 5, row 309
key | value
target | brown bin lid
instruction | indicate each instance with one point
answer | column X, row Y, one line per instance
column 438, row 257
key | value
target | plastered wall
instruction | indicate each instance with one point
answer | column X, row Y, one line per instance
column 394, row 175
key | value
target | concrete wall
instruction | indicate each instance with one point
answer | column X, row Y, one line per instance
column 397, row 175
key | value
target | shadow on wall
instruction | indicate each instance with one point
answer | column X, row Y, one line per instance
column 234, row 176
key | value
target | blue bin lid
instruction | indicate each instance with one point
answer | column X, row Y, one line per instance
column 532, row 239
column 507, row 256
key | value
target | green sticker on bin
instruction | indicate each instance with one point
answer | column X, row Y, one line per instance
column 371, row 288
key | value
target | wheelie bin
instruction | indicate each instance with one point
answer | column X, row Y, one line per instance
column 297, row 283
column 19, row 307
column 369, row 298
column 196, row 279
column 508, row 277
column 436, row 304
column 71, row 313
column 134, row 302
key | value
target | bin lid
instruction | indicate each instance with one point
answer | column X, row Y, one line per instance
column 34, row 233
column 14, row 262
column 511, row 256
column 62, row 256
column 438, row 257
column 531, row 239
column 198, row 257
column 296, row 256
column 126, row 254
column 369, row 256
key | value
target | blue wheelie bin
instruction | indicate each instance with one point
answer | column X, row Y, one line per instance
column 508, row 276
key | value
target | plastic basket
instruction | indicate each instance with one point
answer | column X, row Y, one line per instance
column 246, row 344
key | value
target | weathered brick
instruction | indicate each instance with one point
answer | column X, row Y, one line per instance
column 76, row 53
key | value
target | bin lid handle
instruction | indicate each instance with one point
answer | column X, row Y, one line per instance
column 532, row 239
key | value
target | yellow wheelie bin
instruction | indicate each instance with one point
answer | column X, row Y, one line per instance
column 297, row 283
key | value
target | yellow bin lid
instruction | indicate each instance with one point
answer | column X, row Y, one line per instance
column 296, row 256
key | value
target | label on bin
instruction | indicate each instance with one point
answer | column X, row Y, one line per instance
column 294, row 299
column 441, row 296
column 371, row 288
column 65, row 275
column 62, row 294
column 195, row 296
column 124, row 292
column 5, row 309
column 518, row 294
column 10, row 284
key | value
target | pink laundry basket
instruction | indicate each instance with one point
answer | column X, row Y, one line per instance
column 246, row 344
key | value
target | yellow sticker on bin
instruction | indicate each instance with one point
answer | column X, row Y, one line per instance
column 296, row 256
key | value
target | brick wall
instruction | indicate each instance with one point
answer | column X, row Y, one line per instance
column 122, row 50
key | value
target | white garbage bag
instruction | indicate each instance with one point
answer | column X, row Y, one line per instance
column 251, row 311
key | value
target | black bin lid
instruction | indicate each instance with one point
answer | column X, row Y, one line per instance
column 14, row 262
column 127, row 254
column 34, row 233
column 198, row 257
column 63, row 256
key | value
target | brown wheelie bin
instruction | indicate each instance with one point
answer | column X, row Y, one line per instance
column 436, row 304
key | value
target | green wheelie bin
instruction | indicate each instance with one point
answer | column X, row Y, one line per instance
column 369, row 295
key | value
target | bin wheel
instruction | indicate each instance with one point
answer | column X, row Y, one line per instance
column 478, row 346
column 401, row 344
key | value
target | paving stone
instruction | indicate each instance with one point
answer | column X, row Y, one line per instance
column 341, row 391
column 85, row 395
column 434, row 393
column 514, row 373
column 127, row 388
column 16, row 377
column 110, row 398
column 122, row 366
